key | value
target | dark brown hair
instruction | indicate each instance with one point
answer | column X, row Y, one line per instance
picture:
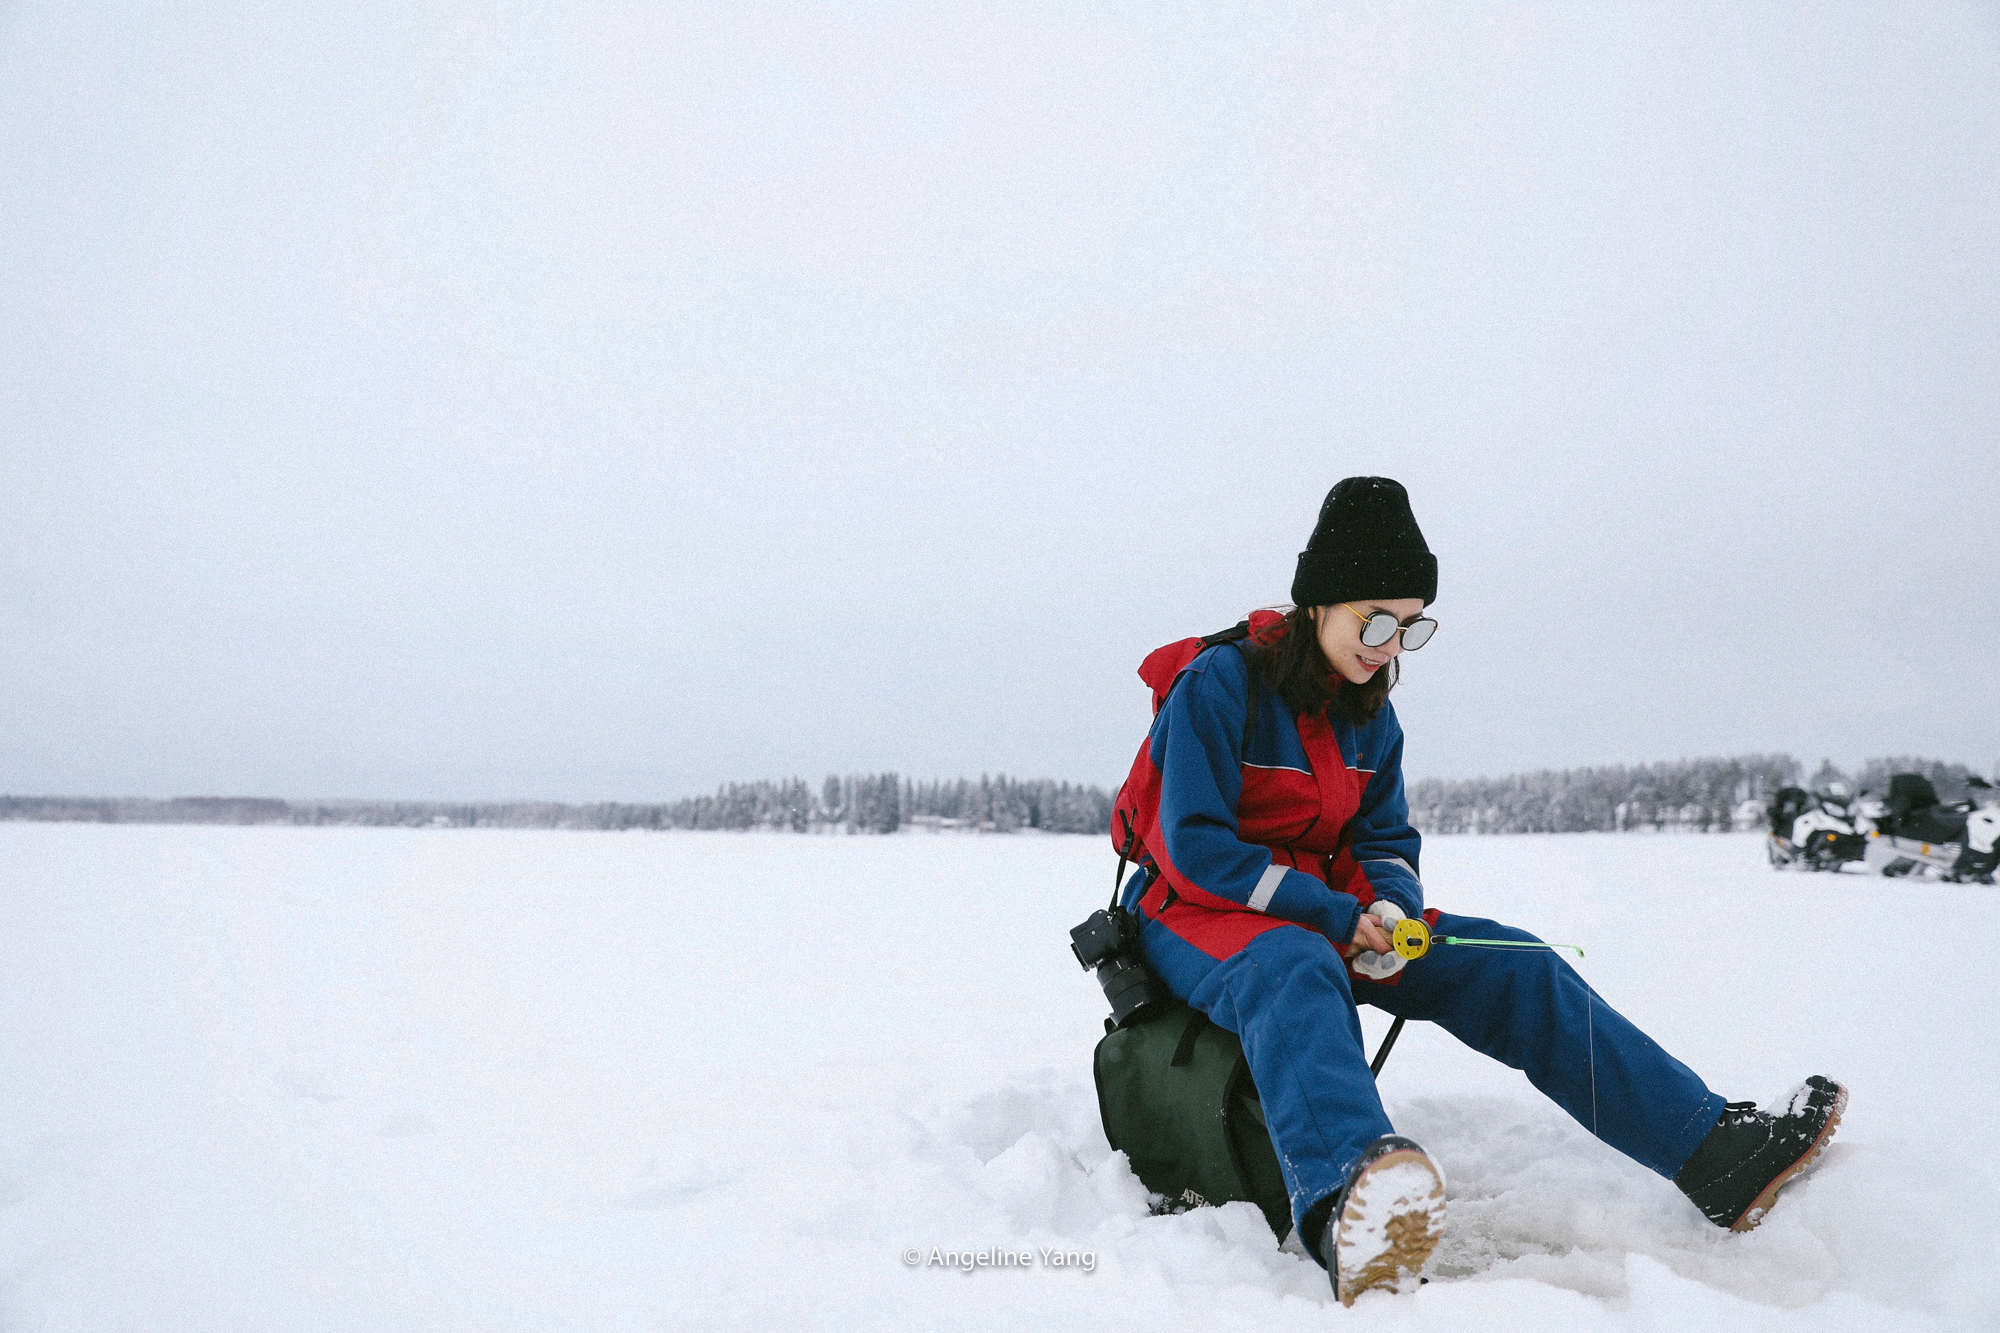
column 1287, row 660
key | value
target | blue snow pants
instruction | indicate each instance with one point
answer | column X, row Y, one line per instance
column 1288, row 996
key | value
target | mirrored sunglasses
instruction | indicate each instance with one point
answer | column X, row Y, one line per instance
column 1381, row 627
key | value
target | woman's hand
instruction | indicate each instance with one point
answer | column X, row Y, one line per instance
column 1368, row 934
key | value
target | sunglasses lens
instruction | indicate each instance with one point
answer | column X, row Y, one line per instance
column 1381, row 627
column 1418, row 633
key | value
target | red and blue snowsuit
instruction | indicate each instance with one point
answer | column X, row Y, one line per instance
column 1255, row 861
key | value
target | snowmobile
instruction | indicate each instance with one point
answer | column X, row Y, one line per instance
column 1912, row 830
column 1814, row 830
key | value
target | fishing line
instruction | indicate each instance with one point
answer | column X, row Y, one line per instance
column 1590, row 1026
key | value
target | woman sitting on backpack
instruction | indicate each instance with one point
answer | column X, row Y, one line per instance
column 1276, row 854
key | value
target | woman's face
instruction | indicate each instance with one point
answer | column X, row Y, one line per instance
column 1340, row 635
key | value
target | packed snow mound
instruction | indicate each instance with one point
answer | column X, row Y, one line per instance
column 381, row 1080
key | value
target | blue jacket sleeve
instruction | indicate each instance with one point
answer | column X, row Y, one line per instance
column 1379, row 837
column 1196, row 743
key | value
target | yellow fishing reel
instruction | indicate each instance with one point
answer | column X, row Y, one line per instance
column 1410, row 937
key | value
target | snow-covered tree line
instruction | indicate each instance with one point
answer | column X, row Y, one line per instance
column 856, row 803
column 1701, row 794
column 885, row 802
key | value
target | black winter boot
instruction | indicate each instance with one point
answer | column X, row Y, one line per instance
column 1385, row 1221
column 1751, row 1154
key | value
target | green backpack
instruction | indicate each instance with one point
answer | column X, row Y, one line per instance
column 1175, row 1094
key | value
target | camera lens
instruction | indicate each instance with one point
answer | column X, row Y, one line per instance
column 1130, row 988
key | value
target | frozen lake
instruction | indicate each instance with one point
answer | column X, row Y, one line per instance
column 342, row 1079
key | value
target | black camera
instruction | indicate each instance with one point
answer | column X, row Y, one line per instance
column 1109, row 943
column 1097, row 939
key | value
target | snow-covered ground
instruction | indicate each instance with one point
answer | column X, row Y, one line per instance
column 275, row 1079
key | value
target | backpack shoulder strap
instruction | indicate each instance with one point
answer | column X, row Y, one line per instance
column 1237, row 634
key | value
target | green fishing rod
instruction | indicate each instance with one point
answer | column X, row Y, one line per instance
column 1411, row 938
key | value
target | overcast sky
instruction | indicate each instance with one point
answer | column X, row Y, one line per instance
column 489, row 399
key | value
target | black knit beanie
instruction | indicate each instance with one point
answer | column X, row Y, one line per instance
column 1365, row 545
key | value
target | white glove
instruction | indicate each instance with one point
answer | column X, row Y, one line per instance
column 1380, row 966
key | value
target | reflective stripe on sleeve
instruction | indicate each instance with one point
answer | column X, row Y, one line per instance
column 1267, row 888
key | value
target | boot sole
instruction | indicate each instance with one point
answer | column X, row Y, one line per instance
column 1393, row 1218
column 1769, row 1194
